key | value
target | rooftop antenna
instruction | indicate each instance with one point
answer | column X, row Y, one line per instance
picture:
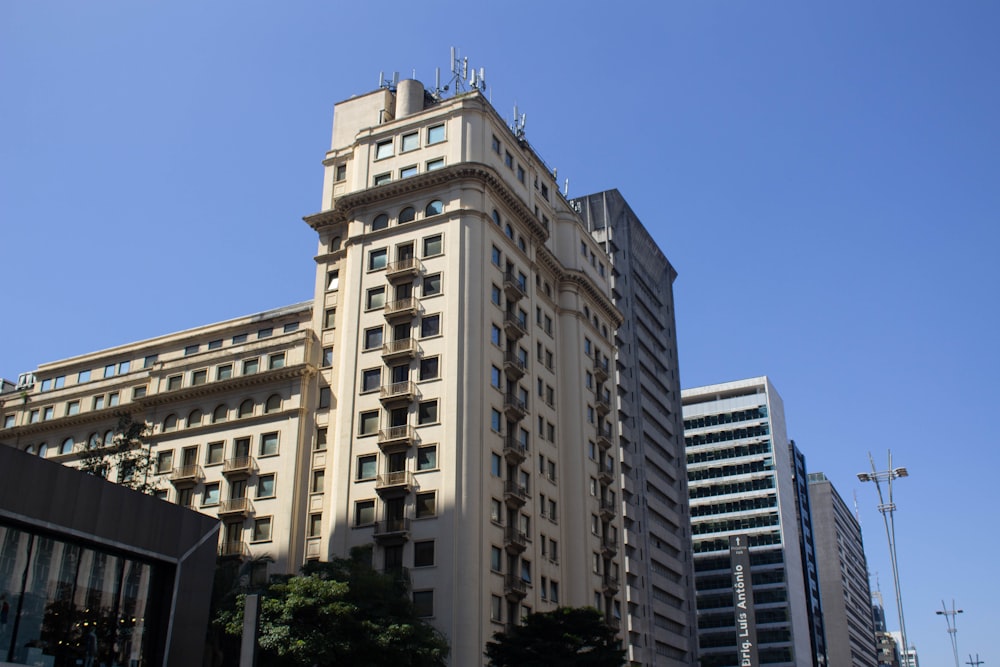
column 520, row 120
column 462, row 75
column 566, row 188
column 391, row 85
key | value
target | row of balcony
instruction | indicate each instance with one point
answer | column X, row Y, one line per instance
column 238, row 467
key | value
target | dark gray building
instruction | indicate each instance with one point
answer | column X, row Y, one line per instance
column 810, row 573
column 92, row 569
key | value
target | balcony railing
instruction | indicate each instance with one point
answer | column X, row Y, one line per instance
column 606, row 473
column 400, row 308
column 514, row 326
column 515, row 587
column 602, row 405
column 187, row 475
column 514, row 450
column 406, row 347
column 610, row 584
column 234, row 506
column 513, row 366
column 608, row 510
column 513, row 287
column 514, row 493
column 236, row 549
column 515, row 540
column 392, row 529
column 403, row 268
column 608, row 548
column 604, row 438
column 395, row 435
column 397, row 391
column 400, row 481
column 515, row 407
column 600, row 368
column 238, row 466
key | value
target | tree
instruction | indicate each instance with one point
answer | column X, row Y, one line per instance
column 342, row 613
column 129, row 454
column 565, row 637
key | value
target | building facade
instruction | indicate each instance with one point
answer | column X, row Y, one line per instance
column 660, row 581
column 843, row 577
column 449, row 395
column 741, row 484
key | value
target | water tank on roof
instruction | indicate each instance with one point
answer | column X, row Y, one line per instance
column 409, row 98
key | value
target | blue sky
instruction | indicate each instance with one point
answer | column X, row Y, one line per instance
column 824, row 176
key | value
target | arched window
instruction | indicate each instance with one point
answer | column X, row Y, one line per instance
column 170, row 423
column 407, row 215
column 194, row 419
column 335, row 244
column 220, row 414
column 586, row 312
column 109, row 439
column 30, row 449
column 94, row 440
column 434, row 208
column 273, row 404
column 509, row 231
column 43, row 450
column 381, row 221
column 496, row 217
column 521, row 244
column 246, row 409
column 67, row 446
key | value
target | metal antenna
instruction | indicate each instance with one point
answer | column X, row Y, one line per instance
column 976, row 662
column 951, row 619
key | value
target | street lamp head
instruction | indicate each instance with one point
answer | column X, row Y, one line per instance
column 864, row 477
column 901, row 472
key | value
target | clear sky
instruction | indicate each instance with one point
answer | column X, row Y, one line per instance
column 824, row 176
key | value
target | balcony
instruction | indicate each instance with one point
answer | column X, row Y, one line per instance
column 514, row 451
column 237, row 549
column 397, row 392
column 514, row 407
column 514, row 494
column 513, row 366
column 394, row 483
column 513, row 287
column 604, row 438
column 515, row 541
column 514, row 587
column 392, row 530
column 397, row 349
column 613, row 623
column 403, row 268
column 514, row 326
column 395, row 437
column 238, row 467
column 602, row 405
column 608, row 548
column 235, row 507
column 608, row 510
column 600, row 369
column 606, row 474
column 400, row 309
column 397, row 572
column 188, row 475
column 610, row 585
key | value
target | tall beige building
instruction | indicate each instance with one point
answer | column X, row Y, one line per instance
column 447, row 396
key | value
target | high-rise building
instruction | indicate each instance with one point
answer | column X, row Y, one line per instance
column 450, row 394
column 885, row 646
column 843, row 577
column 908, row 657
column 807, row 547
column 660, row 591
column 741, row 479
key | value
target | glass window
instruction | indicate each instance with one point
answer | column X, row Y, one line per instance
column 433, row 165
column 73, row 408
column 315, row 525
column 496, row 511
column 174, row 382
column 495, row 335
column 377, row 259
column 432, row 284
column 109, row 371
column 211, row 495
column 375, row 298
column 496, row 559
column 220, row 414
column 364, row 512
column 276, row 361
column 170, row 423
column 430, row 325
column 429, row 368
column 432, row 246
column 320, row 439
column 214, row 453
column 382, row 179
column 427, row 457
column 273, row 404
column 495, row 378
column 215, row 344
column 190, row 349
column 520, row 173
column 495, row 420
column 48, row 413
column 327, row 360
column 367, row 467
column 290, row 327
column 332, row 280
column 407, row 172
column 318, row 481
column 262, row 529
column 239, row 339
column 407, row 215
column 425, row 505
column 268, row 444
column 496, row 464
column 368, row 423
column 373, row 338
column 423, row 603
column 381, row 221
column 83, row 376
column 508, row 160
column 324, row 397
column 495, row 295
column 245, row 409
column 383, row 149
column 149, row 361
column 410, row 142
column 67, row 446
column 495, row 145
column 330, row 318
column 495, row 255
column 427, row 412
column 251, row 366
column 371, row 378
column 423, row 553
column 435, row 134
column 341, row 173
column 434, row 208
column 224, row 372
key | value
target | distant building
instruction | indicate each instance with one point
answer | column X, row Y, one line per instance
column 909, row 657
column 887, row 651
column 843, row 577
column 742, row 482
column 810, row 572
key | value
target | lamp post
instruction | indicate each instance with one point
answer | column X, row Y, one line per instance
column 951, row 619
column 976, row 662
column 887, row 510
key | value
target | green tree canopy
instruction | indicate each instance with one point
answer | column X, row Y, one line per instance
column 128, row 456
column 565, row 637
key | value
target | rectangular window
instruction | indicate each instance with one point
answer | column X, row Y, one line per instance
column 367, row 467
column 48, row 413
column 373, row 338
column 435, row 134
column 495, row 336
column 340, row 173
column 430, row 325
column 427, row 412
column 290, row 327
column 425, row 505
column 495, row 295
column 276, row 360
column 495, row 256
column 83, row 376
column 554, row 591
column 375, row 298
column 315, row 525
column 496, row 465
column 520, row 173
column 47, row 383
column 429, row 368
column 224, row 372
column 371, row 379
column 427, row 457
column 364, row 512
column 265, row 486
column 423, row 553
column 383, row 149
column 433, row 165
column 215, row 344
column 239, row 339
column 327, row 357
column 73, row 408
column 262, row 529
column 330, row 318
column 433, row 246
column 211, row 495
column 409, row 142
column 432, row 284
column 495, row 144
column 407, row 172
column 251, row 366
column 496, row 511
column 199, row 376
column 318, row 481
column 265, row 333
column 9, row 421
column 377, row 259
column 174, row 382
column 496, row 559
column 368, row 423
column 215, row 452
column 332, row 280
column 495, row 378
column 189, row 350
column 423, row 603
column 109, row 371
column 268, row 444
column 320, row 439
column 324, row 397
column 164, row 462
column 495, row 420
column 508, row 160
column 382, row 179
column 98, row 403
column 149, row 361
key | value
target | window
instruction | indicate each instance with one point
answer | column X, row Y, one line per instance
column 548, row 325
column 495, row 379
column 508, row 231
column 251, row 366
column 368, row 423
column 382, row 179
column 383, row 149
column 67, row 446
column 408, row 214
column 435, row 134
column 367, row 467
column 265, row 486
column 423, row 603
column 495, row 255
column 496, row 464
column 149, row 361
column 276, row 360
column 73, row 408
column 340, row 173
column 433, row 165
column 508, row 160
column 245, row 409
column 224, row 372
column 265, row 333
column 429, row 368
column 545, row 192
column 273, row 404
column 427, row 412
column 214, row 453
column 373, row 338
column 407, row 172
column 211, row 495
column 371, row 379
column 430, row 325
column 315, row 525
column 495, row 145
column 47, row 413
column 425, row 505
column 435, row 207
column 109, row 371
column 380, row 221
column 239, row 339
column 496, row 511
column 83, row 376
column 433, row 246
column 495, row 335
column 318, row 481
column 364, row 512
column 320, row 439
column 423, row 553
column 332, row 280
column 47, row 383
column 526, row 571
column 496, row 559
column 377, row 259
column 375, row 298
column 427, row 457
column 262, row 529
column 174, row 382
column 554, row 591
column 268, row 444
column 9, row 421
column 324, row 397
column 552, row 510
column 432, row 284
column 495, row 420
column 520, row 173
column 495, row 295
column 409, row 142
column 190, row 349
column 170, row 423
column 220, row 414
column 553, row 553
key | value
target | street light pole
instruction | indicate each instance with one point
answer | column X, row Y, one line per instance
column 976, row 662
column 887, row 510
column 951, row 619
